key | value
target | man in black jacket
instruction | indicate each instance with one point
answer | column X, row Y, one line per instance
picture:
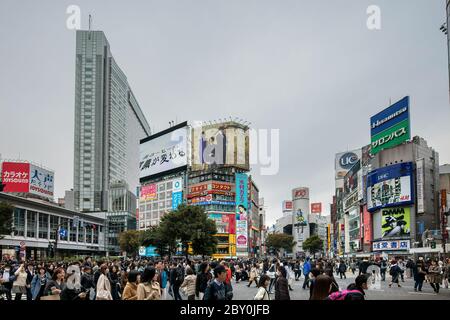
column 216, row 289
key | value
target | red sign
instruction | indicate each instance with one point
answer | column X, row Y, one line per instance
column 300, row 193
column 287, row 205
column 199, row 188
column 221, row 186
column 367, row 221
column 16, row 177
column 316, row 207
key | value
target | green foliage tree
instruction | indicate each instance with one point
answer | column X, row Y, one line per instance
column 130, row 241
column 6, row 219
column 313, row 244
column 165, row 244
column 277, row 241
column 190, row 224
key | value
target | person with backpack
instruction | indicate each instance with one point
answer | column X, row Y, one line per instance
column 395, row 272
column 354, row 292
column 419, row 272
column 272, row 274
column 216, row 288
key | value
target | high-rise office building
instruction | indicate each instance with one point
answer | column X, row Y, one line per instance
column 108, row 127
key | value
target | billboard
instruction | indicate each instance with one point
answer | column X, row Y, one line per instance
column 390, row 186
column 241, row 196
column 420, row 185
column 391, row 126
column 396, row 222
column 148, row 192
column 367, row 226
column 149, row 251
column 225, row 223
column 391, row 245
column 316, row 207
column 300, row 193
column 222, row 144
column 287, row 206
column 241, row 234
column 28, row 178
column 177, row 199
column 344, row 161
column 163, row 152
column 351, row 181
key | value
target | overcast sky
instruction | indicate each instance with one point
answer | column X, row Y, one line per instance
column 309, row 68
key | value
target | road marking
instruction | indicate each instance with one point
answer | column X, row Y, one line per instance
column 430, row 294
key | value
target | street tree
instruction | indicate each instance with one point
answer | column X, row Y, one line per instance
column 154, row 236
column 6, row 219
column 190, row 225
column 130, row 241
column 277, row 241
column 313, row 244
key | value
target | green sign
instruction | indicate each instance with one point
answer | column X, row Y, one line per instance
column 391, row 137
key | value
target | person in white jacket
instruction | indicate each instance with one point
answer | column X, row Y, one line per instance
column 290, row 275
column 263, row 284
column 103, row 285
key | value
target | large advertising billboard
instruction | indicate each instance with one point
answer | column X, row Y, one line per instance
column 28, row 178
column 148, row 192
column 390, row 186
column 241, row 210
column 225, row 223
column 351, row 181
column 367, row 226
column 220, row 145
column 396, row 222
column 420, row 177
column 344, row 161
column 163, row 152
column 391, row 126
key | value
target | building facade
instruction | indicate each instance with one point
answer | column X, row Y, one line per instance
column 109, row 124
column 39, row 225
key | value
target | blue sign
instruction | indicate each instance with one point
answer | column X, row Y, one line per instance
column 149, row 251
column 390, row 172
column 177, row 199
column 205, row 203
column 421, row 227
column 62, row 233
column 390, row 116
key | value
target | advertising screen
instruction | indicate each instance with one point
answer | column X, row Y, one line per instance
column 391, row 126
column 390, row 186
column 221, row 144
column 162, row 152
column 395, row 222
column 225, row 223
column 148, row 192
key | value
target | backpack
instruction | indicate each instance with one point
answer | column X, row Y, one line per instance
column 341, row 295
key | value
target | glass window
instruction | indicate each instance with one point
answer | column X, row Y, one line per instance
column 64, row 225
column 53, row 227
column 19, row 222
column 81, row 232
column 31, row 224
column 96, row 234
column 43, row 226
column 89, row 234
column 169, row 185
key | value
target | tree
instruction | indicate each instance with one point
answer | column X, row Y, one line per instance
column 6, row 219
column 277, row 241
column 190, row 225
column 130, row 241
column 313, row 244
column 155, row 237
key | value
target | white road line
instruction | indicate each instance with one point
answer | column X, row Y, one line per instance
column 430, row 294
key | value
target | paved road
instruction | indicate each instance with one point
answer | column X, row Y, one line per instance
column 406, row 292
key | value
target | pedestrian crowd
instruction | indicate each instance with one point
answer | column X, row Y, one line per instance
column 157, row 279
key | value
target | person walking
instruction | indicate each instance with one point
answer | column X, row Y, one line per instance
column 281, row 285
column 342, row 269
column 130, row 290
column 334, row 285
column 353, row 266
column 446, row 272
column 272, row 273
column 201, row 282
column 263, row 284
column 189, row 284
column 103, row 291
column 306, row 271
column 114, row 279
column 395, row 272
column 39, row 283
column 419, row 273
column 57, row 284
column 253, row 276
column 216, row 288
column 297, row 270
column 87, row 282
column 435, row 276
column 149, row 288
column 19, row 286
column 383, row 268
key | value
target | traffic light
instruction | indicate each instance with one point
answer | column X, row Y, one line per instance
column 433, row 244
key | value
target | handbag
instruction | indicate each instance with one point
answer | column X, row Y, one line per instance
column 103, row 293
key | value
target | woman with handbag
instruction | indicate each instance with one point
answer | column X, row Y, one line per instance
column 149, row 288
column 103, row 284
column 20, row 284
column 55, row 286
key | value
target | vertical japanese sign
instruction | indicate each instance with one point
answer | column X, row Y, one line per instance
column 177, row 193
column 241, row 210
column 420, row 185
column 367, row 222
column 16, row 176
